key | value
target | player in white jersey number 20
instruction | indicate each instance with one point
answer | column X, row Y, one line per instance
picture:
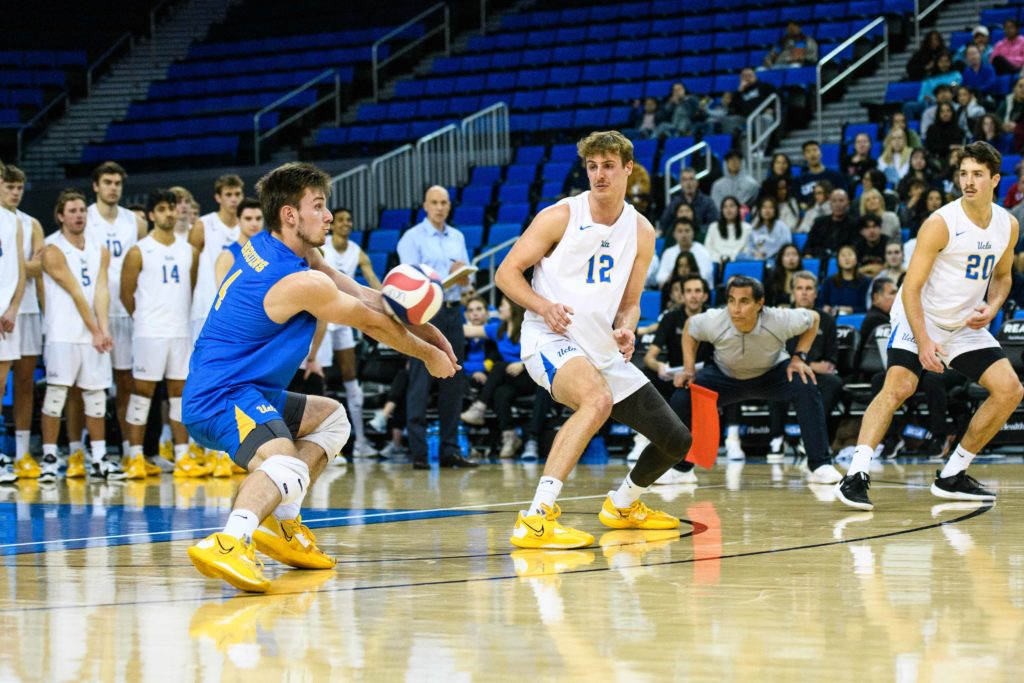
column 940, row 319
column 590, row 255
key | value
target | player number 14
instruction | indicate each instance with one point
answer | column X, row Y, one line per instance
column 172, row 274
column 604, row 266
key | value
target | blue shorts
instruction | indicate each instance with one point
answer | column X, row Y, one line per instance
column 252, row 419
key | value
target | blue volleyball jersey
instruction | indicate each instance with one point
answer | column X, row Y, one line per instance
column 239, row 346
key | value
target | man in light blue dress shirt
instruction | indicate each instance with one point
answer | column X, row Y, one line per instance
column 443, row 248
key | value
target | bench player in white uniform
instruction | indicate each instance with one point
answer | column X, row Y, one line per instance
column 346, row 256
column 156, row 289
column 212, row 234
column 590, row 255
column 183, row 208
column 78, row 340
column 12, row 287
column 941, row 318
column 29, row 327
column 116, row 228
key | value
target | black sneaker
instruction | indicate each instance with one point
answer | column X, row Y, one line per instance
column 960, row 486
column 852, row 490
column 108, row 468
column 892, row 447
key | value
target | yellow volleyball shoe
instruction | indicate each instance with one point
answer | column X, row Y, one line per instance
column 225, row 557
column 544, row 531
column 291, row 542
column 636, row 516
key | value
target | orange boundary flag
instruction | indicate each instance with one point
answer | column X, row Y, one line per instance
column 706, row 430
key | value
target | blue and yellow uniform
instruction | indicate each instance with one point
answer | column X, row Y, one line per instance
column 243, row 360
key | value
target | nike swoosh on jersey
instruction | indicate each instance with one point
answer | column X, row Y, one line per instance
column 584, row 227
column 960, row 233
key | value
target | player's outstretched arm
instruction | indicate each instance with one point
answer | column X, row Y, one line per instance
column 999, row 286
column 315, row 293
column 130, row 278
column 543, row 235
column 931, row 239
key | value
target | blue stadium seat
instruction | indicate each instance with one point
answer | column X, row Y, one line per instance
column 560, row 98
column 524, row 122
column 593, row 95
column 521, row 173
column 563, row 152
column 832, row 267
column 852, row 130
column 485, row 175
column 556, row 170
column 801, row 77
column 593, row 119
column 477, row 195
column 799, row 240
column 379, row 261
column 854, row 320
column 753, row 269
column 513, row 213
column 626, row 92
column 811, row 264
column 564, row 75
column 551, row 189
column 514, row 193
column 902, row 92
column 502, row 232
column 556, row 120
column 1009, row 166
column 469, row 215
column 394, row 219
column 527, row 99
column 650, row 305
column 383, row 240
column 474, row 235
column 629, row 71
column 530, row 154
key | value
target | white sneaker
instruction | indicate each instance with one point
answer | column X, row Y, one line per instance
column 363, row 449
column 379, row 422
column 475, row 414
column 733, row 450
column 48, row 467
column 639, row 444
column 777, row 450
column 7, row 475
column 674, row 476
column 824, row 474
column 530, row 451
column 393, row 450
column 109, row 468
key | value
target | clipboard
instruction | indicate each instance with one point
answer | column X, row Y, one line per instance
column 458, row 275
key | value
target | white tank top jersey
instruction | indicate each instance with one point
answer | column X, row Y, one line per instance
column 216, row 238
column 8, row 258
column 961, row 272
column 118, row 237
column 345, row 261
column 163, row 294
column 587, row 271
column 30, row 301
column 63, row 323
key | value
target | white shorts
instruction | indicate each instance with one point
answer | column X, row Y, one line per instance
column 954, row 342
column 10, row 344
column 121, row 331
column 324, row 355
column 342, row 338
column 623, row 378
column 157, row 358
column 30, row 329
column 79, row 365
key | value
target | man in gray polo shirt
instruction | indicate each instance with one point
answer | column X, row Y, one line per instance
column 751, row 362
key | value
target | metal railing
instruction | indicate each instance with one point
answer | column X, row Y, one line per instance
column 759, row 131
column 920, row 14
column 352, row 189
column 259, row 137
column 490, row 289
column 880, row 47
column 670, row 188
column 22, row 128
column 485, row 137
column 377, row 63
column 394, row 178
column 102, row 59
column 437, row 158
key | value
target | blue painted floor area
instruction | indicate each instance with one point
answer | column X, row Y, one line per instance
column 47, row 527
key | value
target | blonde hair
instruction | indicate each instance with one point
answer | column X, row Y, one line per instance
column 181, row 193
column 887, row 150
column 607, row 142
column 871, row 193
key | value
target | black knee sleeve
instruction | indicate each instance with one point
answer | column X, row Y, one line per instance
column 648, row 413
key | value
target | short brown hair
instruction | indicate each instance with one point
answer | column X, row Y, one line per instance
column 982, row 152
column 228, row 180
column 607, row 142
column 248, row 203
column 66, row 196
column 13, row 174
column 285, row 186
column 109, row 168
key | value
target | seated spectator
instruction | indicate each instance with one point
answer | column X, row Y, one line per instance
column 990, row 129
column 923, row 62
column 977, row 73
column 796, row 48
column 876, row 180
column 767, row 235
column 899, row 120
column 1008, row 54
column 895, row 159
column 949, row 181
column 920, row 168
column 646, row 119
column 682, row 240
column 1014, row 193
column 639, row 184
column 860, row 162
column 780, row 283
column 789, row 207
column 727, row 236
column 683, row 266
column 750, row 94
column 781, row 168
column 968, row 110
column 819, row 208
column 944, row 74
column 932, row 201
column 679, row 112
column 704, row 210
column 979, row 41
column 893, row 267
column 834, row 230
column 669, row 337
column 847, row 290
column 480, row 351
column 943, row 93
column 1011, row 109
column 814, row 172
column 914, row 202
column 873, row 204
column 883, row 295
column 871, row 246
column 945, row 133
column 734, row 182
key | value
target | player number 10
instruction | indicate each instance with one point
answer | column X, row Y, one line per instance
column 973, row 261
column 604, row 266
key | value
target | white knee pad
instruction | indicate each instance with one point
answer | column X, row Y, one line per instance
column 290, row 475
column 174, row 408
column 95, row 402
column 53, row 401
column 331, row 434
column 138, row 410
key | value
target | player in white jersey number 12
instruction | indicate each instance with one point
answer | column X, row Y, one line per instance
column 590, row 256
column 940, row 319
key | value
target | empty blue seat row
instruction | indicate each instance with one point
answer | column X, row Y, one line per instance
column 314, row 59
column 59, row 58
column 364, row 36
column 138, row 111
column 9, row 117
column 189, row 147
column 578, row 119
column 188, row 127
column 13, row 97
column 32, row 77
column 233, row 84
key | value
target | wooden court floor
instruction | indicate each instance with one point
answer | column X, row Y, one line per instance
column 767, row 580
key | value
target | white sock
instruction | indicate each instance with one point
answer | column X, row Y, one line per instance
column 861, row 460
column 354, row 396
column 627, row 493
column 732, row 432
column 180, row 451
column 241, row 524
column 98, row 450
column 75, row 446
column 288, row 510
column 547, row 491
column 958, row 462
column 134, row 450
column 49, row 449
column 21, row 441
column 165, row 433
column 126, row 446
